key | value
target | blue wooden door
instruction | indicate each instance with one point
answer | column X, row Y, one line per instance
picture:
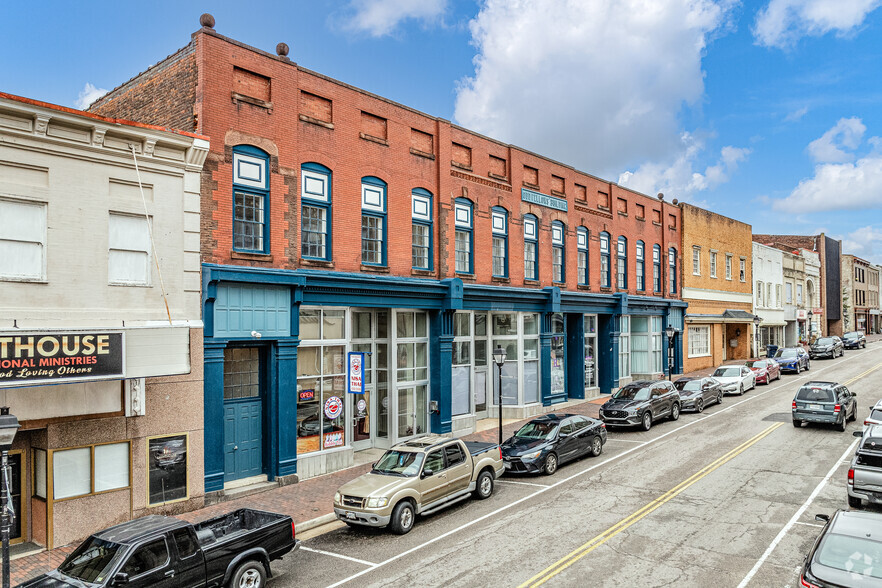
column 243, row 413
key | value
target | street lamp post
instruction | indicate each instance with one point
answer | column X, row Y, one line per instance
column 756, row 321
column 670, row 332
column 810, row 314
column 499, row 359
column 8, row 426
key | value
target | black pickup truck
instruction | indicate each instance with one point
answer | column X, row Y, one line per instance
column 234, row 550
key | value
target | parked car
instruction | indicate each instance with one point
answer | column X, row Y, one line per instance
column 826, row 347
column 847, row 552
column 765, row 370
column 641, row 403
column 735, row 379
column 696, row 393
column 875, row 416
column 854, row 340
column 823, row 402
column 793, row 359
column 548, row 441
column 231, row 550
column 865, row 470
column 418, row 477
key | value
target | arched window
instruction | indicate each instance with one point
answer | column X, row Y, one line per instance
column 500, row 242
column 250, row 199
column 373, row 221
column 604, row 260
column 582, row 249
column 531, row 239
column 558, row 255
column 315, row 211
column 622, row 263
column 672, row 270
column 640, row 265
column 464, row 236
column 421, row 229
column 656, row 269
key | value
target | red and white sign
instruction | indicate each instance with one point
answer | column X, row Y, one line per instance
column 334, row 439
column 356, row 373
column 817, row 311
column 801, row 315
column 333, row 407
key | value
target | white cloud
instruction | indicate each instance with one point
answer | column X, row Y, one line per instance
column 796, row 115
column 783, row 22
column 88, row 95
column 379, row 18
column 839, row 186
column 679, row 178
column 864, row 242
column 598, row 84
column 831, row 146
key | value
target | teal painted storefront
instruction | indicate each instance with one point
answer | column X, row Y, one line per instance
column 242, row 302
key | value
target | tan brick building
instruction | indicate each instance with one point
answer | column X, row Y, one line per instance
column 716, row 277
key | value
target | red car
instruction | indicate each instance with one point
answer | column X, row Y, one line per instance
column 765, row 370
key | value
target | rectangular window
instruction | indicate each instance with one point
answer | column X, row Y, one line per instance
column 558, row 234
column 699, row 341
column 321, row 375
column 696, row 261
column 499, row 249
column 315, row 229
column 778, row 295
column 799, row 294
column 22, row 240
column 672, row 270
column 713, row 264
column 728, row 266
column 371, row 239
column 788, row 293
column 248, row 225
column 641, row 266
column 315, row 196
column 40, row 474
column 622, row 263
column 759, row 293
column 624, row 347
column 604, row 260
column 167, row 468
column 373, row 221
column 421, row 232
column 73, row 469
column 128, row 261
column 557, row 263
column 499, row 256
column 463, row 251
column 111, row 466
column 655, row 328
column 582, row 255
column 531, row 236
column 656, row 269
column 420, row 246
column 743, row 270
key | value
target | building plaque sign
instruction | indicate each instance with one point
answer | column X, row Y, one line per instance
column 28, row 359
column 543, row 199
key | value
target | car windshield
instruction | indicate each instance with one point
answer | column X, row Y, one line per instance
column 756, row 363
column 632, row 393
column 826, row 341
column 855, row 555
column 852, row 335
column 91, row 561
column 399, row 463
column 876, row 415
column 786, row 353
column 815, row 395
column 727, row 372
column 689, row 385
column 537, row 430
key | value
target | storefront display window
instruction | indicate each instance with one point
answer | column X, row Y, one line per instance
column 558, row 361
column 412, row 372
column 461, row 388
column 624, row 347
column 73, row 469
column 321, row 380
column 590, row 328
column 167, row 475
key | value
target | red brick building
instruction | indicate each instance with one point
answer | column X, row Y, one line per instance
column 336, row 221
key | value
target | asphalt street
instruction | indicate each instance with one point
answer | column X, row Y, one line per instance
column 722, row 498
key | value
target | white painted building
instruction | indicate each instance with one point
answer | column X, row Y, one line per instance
column 768, row 295
column 103, row 371
column 810, row 297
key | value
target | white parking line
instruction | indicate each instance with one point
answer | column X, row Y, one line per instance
column 608, row 439
column 521, row 483
column 793, row 519
column 332, row 554
column 808, row 524
column 585, row 471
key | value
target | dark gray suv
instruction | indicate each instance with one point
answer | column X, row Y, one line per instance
column 824, row 402
column 826, row 347
column 642, row 403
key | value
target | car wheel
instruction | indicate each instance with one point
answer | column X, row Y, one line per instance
column 402, row 518
column 484, row 486
column 719, row 398
column 798, row 368
column 808, row 366
column 699, row 405
column 675, row 412
column 647, row 420
column 797, row 423
column 841, row 426
column 596, row 446
column 550, row 464
column 740, row 389
column 854, row 502
column 249, row 574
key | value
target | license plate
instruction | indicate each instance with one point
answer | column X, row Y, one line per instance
column 815, row 407
column 350, row 516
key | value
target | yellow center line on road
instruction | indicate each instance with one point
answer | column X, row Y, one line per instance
column 608, row 534
column 863, row 375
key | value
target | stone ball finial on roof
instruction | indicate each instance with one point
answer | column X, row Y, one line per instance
column 282, row 50
column 661, row 196
column 207, row 20
column 675, row 201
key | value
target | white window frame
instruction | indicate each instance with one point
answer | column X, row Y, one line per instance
column 696, row 260
column 7, row 233
column 147, row 250
column 699, row 341
column 624, row 346
column 742, row 267
column 713, row 264
column 728, row 266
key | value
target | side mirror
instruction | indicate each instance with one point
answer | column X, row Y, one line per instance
column 858, row 433
column 822, row 517
column 120, row 579
column 426, row 473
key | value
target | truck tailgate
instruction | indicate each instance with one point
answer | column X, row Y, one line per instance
column 868, row 472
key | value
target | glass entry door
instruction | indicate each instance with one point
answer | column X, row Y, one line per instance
column 370, row 411
column 411, row 344
column 412, row 411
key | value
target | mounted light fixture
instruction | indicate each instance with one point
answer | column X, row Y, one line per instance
column 499, row 356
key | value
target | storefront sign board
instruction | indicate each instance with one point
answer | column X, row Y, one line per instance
column 355, row 372
column 543, row 199
column 34, row 358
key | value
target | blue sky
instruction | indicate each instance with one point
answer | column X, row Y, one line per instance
column 769, row 111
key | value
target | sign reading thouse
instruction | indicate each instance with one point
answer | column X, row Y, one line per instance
column 55, row 358
column 543, row 199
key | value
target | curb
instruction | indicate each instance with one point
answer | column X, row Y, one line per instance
column 313, row 523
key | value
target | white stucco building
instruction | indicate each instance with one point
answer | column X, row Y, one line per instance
column 768, row 295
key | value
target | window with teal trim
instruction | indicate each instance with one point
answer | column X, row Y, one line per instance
column 622, row 263
column 531, row 241
column 373, row 221
column 656, row 269
column 421, row 228
column 672, row 270
column 464, row 236
column 499, row 217
column 315, row 211
column 250, row 199
column 582, row 253
column 558, row 254
column 640, row 265
column 604, row 260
